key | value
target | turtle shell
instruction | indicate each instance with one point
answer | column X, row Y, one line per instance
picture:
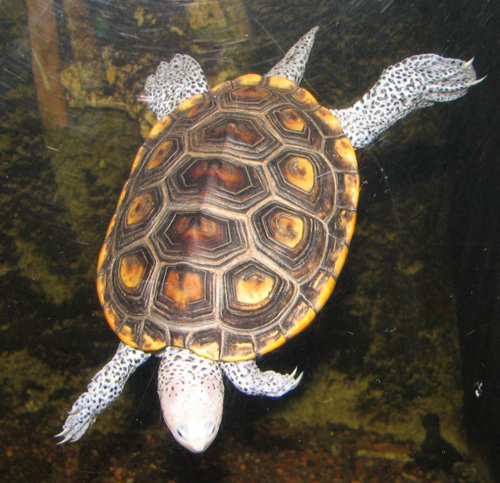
column 234, row 225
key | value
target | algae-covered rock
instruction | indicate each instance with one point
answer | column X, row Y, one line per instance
column 106, row 74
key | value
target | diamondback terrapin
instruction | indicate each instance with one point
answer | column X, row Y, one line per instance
column 233, row 227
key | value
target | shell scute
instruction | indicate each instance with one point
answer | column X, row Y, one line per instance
column 269, row 340
column 294, row 240
column 140, row 212
column 299, row 318
column 295, row 128
column 253, row 296
column 281, row 84
column 163, row 153
column 226, row 183
column 327, row 122
column 205, row 343
column 132, row 272
column 248, row 80
column 184, row 293
column 239, row 346
column 254, row 97
column 305, row 180
column 199, row 236
column 304, row 99
column 319, row 289
column 237, row 134
column 141, row 209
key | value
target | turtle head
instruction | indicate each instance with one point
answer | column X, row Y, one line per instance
column 191, row 394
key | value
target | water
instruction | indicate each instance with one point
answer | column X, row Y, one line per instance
column 412, row 328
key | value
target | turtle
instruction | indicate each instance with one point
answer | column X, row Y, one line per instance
column 232, row 229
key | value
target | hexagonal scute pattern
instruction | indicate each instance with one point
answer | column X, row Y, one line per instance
column 295, row 240
column 306, row 180
column 234, row 134
column 198, row 236
column 223, row 182
column 139, row 215
column 131, row 276
column 253, row 294
column 234, row 224
column 184, row 293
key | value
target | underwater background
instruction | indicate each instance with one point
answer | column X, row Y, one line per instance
column 402, row 367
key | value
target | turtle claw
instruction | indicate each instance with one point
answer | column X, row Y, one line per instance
column 298, row 378
column 295, row 380
column 477, row 81
column 63, row 434
column 293, row 374
column 467, row 64
column 280, row 384
column 78, row 421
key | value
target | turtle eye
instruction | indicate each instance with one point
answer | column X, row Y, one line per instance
column 211, row 428
column 181, row 432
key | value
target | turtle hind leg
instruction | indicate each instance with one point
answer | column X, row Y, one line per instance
column 293, row 65
column 249, row 379
column 414, row 83
column 173, row 83
column 104, row 388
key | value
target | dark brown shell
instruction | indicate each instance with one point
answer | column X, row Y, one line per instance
column 234, row 224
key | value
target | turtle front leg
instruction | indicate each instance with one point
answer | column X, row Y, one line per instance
column 103, row 389
column 249, row 379
column 414, row 83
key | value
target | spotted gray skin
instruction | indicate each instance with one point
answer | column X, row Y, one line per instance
column 191, row 390
column 104, row 388
column 412, row 84
column 293, row 65
column 190, row 387
column 173, row 83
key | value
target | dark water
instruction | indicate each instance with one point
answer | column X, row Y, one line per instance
column 413, row 327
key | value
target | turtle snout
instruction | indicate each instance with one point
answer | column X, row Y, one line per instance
column 196, row 439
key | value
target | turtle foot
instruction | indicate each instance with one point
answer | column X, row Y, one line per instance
column 79, row 419
column 441, row 79
column 249, row 379
column 104, row 388
column 414, row 83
